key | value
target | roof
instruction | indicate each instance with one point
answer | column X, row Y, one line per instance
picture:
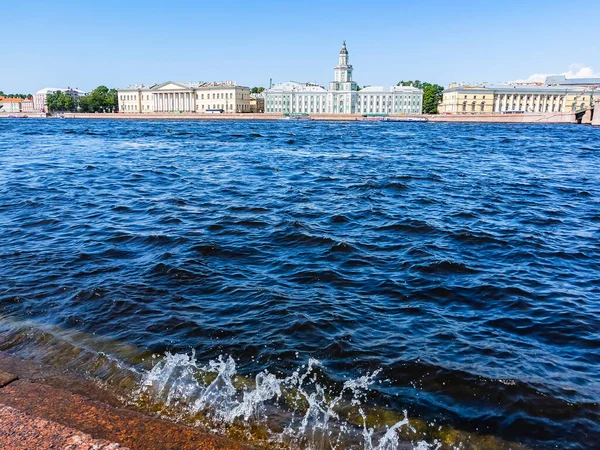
column 50, row 90
column 408, row 89
column 564, row 81
column 344, row 50
column 294, row 86
column 184, row 85
column 11, row 100
column 512, row 88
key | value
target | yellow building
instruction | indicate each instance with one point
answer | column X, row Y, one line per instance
column 226, row 97
column 570, row 96
column 257, row 104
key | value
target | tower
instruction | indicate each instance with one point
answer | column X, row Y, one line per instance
column 342, row 96
column 343, row 71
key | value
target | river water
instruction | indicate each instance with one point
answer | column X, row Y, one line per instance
column 314, row 281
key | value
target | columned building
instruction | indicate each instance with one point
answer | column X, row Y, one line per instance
column 550, row 97
column 174, row 97
column 343, row 97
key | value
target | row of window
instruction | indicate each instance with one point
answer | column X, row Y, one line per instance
column 317, row 110
column 203, row 107
column 215, row 96
column 522, row 107
column 525, row 96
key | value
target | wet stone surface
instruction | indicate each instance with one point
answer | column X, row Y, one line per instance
column 7, row 378
column 20, row 431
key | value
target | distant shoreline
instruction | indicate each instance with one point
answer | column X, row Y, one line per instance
column 476, row 118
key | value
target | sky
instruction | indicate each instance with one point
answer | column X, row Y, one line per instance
column 85, row 43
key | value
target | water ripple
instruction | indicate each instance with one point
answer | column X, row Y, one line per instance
column 461, row 260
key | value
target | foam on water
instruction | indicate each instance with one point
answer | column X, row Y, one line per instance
column 295, row 410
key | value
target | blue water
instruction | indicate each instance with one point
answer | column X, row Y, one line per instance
column 461, row 259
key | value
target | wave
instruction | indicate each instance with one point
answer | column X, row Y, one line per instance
column 300, row 408
column 295, row 410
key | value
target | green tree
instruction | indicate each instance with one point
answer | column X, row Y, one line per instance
column 101, row 99
column 84, row 104
column 112, row 102
column 59, row 101
column 432, row 96
column 257, row 90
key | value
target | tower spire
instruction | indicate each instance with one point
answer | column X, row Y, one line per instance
column 343, row 73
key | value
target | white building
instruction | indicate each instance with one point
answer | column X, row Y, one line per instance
column 343, row 96
column 40, row 102
column 175, row 97
column 10, row 105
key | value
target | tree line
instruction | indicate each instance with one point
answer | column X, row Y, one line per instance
column 101, row 99
column 23, row 96
column 432, row 94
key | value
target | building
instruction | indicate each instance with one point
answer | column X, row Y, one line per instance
column 175, row 97
column 558, row 94
column 27, row 105
column 10, row 105
column 40, row 102
column 257, row 103
column 343, row 96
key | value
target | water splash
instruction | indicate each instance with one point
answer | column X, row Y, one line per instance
column 295, row 411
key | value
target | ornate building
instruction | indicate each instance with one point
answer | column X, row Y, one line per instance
column 343, row 97
column 175, row 97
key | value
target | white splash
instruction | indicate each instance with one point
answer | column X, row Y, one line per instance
column 310, row 413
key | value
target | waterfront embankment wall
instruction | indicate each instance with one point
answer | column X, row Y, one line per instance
column 596, row 116
column 466, row 118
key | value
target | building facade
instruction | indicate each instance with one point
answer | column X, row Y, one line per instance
column 174, row 97
column 556, row 95
column 27, row 105
column 257, row 103
column 343, row 96
column 10, row 105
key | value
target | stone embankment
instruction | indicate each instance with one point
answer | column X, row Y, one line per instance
column 41, row 408
column 596, row 116
column 458, row 118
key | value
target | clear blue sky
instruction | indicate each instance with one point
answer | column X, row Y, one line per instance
column 86, row 43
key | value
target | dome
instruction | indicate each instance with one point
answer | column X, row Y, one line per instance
column 344, row 50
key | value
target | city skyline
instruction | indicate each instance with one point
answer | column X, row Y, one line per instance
column 117, row 44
